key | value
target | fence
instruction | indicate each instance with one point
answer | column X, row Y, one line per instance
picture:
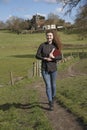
column 36, row 71
column 36, row 67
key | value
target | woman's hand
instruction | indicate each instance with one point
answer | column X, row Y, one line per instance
column 51, row 57
column 51, row 53
column 47, row 59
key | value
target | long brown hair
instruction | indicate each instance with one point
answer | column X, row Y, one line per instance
column 56, row 39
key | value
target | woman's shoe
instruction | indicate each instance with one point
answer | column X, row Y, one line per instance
column 51, row 105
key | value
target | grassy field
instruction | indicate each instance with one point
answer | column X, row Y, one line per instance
column 17, row 54
column 72, row 94
column 20, row 109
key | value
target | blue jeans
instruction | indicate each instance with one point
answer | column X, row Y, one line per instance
column 50, row 82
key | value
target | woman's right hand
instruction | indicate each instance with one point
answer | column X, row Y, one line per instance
column 51, row 53
column 47, row 59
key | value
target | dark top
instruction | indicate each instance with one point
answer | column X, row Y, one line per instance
column 44, row 51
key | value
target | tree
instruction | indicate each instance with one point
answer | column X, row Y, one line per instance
column 81, row 18
column 73, row 3
column 70, row 4
column 81, row 22
column 2, row 25
column 54, row 19
column 16, row 24
column 13, row 24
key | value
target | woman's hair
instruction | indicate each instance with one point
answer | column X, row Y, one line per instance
column 56, row 40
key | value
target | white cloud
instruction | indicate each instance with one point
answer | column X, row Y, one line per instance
column 48, row 1
column 59, row 10
column 9, row 16
column 5, row 1
column 27, row 16
column 42, row 14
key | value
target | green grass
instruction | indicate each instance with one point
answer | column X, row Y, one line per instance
column 64, row 66
column 20, row 108
column 17, row 54
column 72, row 91
column 71, row 39
column 81, row 66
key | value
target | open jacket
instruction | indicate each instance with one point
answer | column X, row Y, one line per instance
column 44, row 51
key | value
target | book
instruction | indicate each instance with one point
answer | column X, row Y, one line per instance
column 56, row 52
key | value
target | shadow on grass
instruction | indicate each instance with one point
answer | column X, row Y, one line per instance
column 7, row 106
column 24, row 56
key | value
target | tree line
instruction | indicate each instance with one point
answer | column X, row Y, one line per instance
column 16, row 24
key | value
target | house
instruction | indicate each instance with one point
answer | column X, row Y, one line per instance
column 52, row 26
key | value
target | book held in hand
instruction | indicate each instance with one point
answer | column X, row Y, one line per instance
column 56, row 52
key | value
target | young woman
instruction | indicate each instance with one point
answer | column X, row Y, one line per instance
column 50, row 52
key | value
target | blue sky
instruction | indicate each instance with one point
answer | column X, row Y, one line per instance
column 27, row 8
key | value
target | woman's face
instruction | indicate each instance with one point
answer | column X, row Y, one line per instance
column 49, row 37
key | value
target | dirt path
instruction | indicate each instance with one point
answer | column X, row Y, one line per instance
column 60, row 118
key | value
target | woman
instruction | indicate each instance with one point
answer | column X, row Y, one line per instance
column 49, row 59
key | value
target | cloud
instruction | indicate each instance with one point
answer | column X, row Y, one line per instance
column 27, row 16
column 48, row 1
column 59, row 10
column 9, row 17
column 4, row 1
column 41, row 14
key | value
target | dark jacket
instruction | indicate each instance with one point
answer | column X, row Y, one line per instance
column 44, row 51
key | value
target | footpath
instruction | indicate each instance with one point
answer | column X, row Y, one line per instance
column 60, row 118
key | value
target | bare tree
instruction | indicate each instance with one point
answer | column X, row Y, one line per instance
column 81, row 17
column 54, row 19
column 2, row 25
column 81, row 22
column 16, row 24
column 72, row 3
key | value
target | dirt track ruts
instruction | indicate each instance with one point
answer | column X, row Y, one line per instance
column 60, row 118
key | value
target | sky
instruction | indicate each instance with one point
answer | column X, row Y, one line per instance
column 27, row 8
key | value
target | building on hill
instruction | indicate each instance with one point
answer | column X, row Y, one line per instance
column 38, row 21
column 48, row 26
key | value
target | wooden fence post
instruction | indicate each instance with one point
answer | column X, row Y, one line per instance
column 34, row 68
column 11, row 78
column 37, row 68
